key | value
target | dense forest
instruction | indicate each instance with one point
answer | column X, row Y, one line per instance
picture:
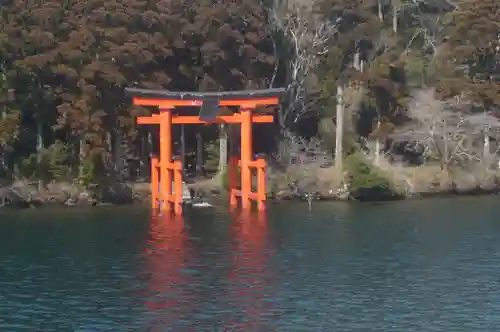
column 396, row 92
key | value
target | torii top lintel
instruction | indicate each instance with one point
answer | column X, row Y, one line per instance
column 169, row 99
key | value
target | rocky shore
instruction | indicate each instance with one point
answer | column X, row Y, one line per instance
column 24, row 194
column 374, row 194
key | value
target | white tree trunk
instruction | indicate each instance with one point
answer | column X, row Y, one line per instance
column 150, row 143
column 222, row 148
column 380, row 10
column 199, row 154
column 39, row 147
column 357, row 60
column 394, row 18
column 377, row 146
column 447, row 157
column 109, row 142
column 339, row 132
column 486, row 150
column 39, row 137
column 183, row 148
column 81, row 157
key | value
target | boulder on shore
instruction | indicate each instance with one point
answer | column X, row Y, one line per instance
column 24, row 194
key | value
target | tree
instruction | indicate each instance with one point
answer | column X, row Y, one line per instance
column 445, row 131
column 355, row 26
column 70, row 62
column 470, row 57
column 83, row 65
column 301, row 40
column 9, row 121
column 9, row 116
column 223, row 45
column 349, row 65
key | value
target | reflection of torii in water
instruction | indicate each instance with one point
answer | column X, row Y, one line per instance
column 165, row 256
column 250, row 274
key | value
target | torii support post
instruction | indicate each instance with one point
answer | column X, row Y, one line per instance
column 162, row 168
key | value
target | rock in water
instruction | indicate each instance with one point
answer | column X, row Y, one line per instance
column 202, row 205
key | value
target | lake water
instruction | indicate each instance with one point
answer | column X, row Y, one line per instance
column 431, row 265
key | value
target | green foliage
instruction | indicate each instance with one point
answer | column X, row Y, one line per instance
column 9, row 128
column 63, row 69
column 86, row 173
column 418, row 70
column 225, row 177
column 365, row 182
column 92, row 171
column 58, row 161
column 28, row 167
column 470, row 57
column 69, row 66
column 51, row 164
column 212, row 156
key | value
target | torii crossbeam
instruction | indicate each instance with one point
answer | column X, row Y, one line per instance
column 210, row 102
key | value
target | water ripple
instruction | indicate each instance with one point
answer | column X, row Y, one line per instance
column 395, row 267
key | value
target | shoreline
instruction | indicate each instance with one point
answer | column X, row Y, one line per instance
column 27, row 196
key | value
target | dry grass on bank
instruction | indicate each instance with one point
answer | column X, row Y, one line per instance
column 311, row 177
column 306, row 178
column 430, row 178
column 214, row 184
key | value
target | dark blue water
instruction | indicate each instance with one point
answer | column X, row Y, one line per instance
column 430, row 265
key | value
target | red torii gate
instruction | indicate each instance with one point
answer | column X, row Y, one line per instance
column 162, row 168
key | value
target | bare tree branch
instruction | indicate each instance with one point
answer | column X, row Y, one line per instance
column 447, row 130
column 306, row 39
